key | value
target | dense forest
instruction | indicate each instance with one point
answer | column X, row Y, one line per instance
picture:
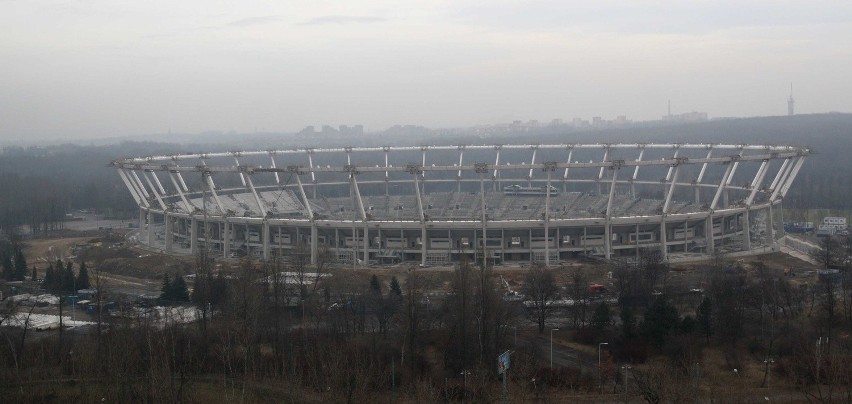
column 49, row 181
column 285, row 334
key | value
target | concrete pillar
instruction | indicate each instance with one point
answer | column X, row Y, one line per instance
column 141, row 218
column 708, row 234
column 265, row 238
column 637, row 243
column 150, row 227
column 314, row 243
column 663, row 238
column 226, row 238
column 746, row 231
column 607, row 239
column 423, row 244
column 558, row 244
column 770, row 229
column 193, row 236
column 530, row 246
column 167, row 221
column 502, row 245
column 366, row 244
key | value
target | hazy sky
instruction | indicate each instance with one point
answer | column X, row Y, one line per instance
column 99, row 68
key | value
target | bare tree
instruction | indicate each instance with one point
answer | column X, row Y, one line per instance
column 829, row 252
column 579, row 289
column 540, row 288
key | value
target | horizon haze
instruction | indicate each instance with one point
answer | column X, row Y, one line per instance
column 99, row 69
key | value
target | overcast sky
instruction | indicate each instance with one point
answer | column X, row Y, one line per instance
column 101, row 68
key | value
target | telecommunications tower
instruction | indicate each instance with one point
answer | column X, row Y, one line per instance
column 790, row 102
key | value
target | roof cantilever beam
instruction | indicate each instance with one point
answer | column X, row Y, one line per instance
column 134, row 181
column 260, row 204
column 303, row 194
column 615, row 171
column 157, row 181
column 461, row 160
column 387, row 149
column 130, row 187
column 209, row 177
column 272, row 159
column 186, row 204
column 496, row 162
column 154, row 191
column 415, row 172
column 242, row 176
column 668, row 202
column 311, row 165
column 605, row 158
column 780, row 173
column 792, row 176
column 784, row 174
column 182, row 182
column 139, row 184
column 703, row 167
column 423, row 163
column 722, row 183
column 358, row 197
column 532, row 163
column 570, row 155
column 636, row 169
column 179, row 176
column 734, row 169
column 669, row 173
column 758, row 179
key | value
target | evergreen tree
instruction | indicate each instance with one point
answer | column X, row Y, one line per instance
column 394, row 286
column 180, row 292
column 20, row 265
column 661, row 321
column 166, row 290
column 687, row 325
column 375, row 286
column 83, row 276
column 601, row 317
column 705, row 318
column 628, row 323
column 57, row 282
column 68, row 279
column 49, row 278
column 8, row 267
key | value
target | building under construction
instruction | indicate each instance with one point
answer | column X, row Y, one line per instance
column 434, row 204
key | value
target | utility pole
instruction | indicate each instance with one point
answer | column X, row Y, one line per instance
column 551, row 346
column 697, row 381
column 600, row 375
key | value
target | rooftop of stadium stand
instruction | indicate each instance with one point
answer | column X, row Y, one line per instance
column 446, row 206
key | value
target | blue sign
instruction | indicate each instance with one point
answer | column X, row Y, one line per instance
column 503, row 362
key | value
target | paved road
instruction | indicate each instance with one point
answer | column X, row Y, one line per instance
column 563, row 355
column 799, row 248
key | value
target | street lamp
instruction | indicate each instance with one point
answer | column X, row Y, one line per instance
column 600, row 376
column 768, row 362
column 514, row 327
column 624, row 370
column 464, row 373
column 551, row 346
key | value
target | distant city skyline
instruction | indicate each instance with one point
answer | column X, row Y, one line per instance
column 100, row 69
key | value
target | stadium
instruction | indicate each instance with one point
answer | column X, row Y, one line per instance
column 431, row 205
